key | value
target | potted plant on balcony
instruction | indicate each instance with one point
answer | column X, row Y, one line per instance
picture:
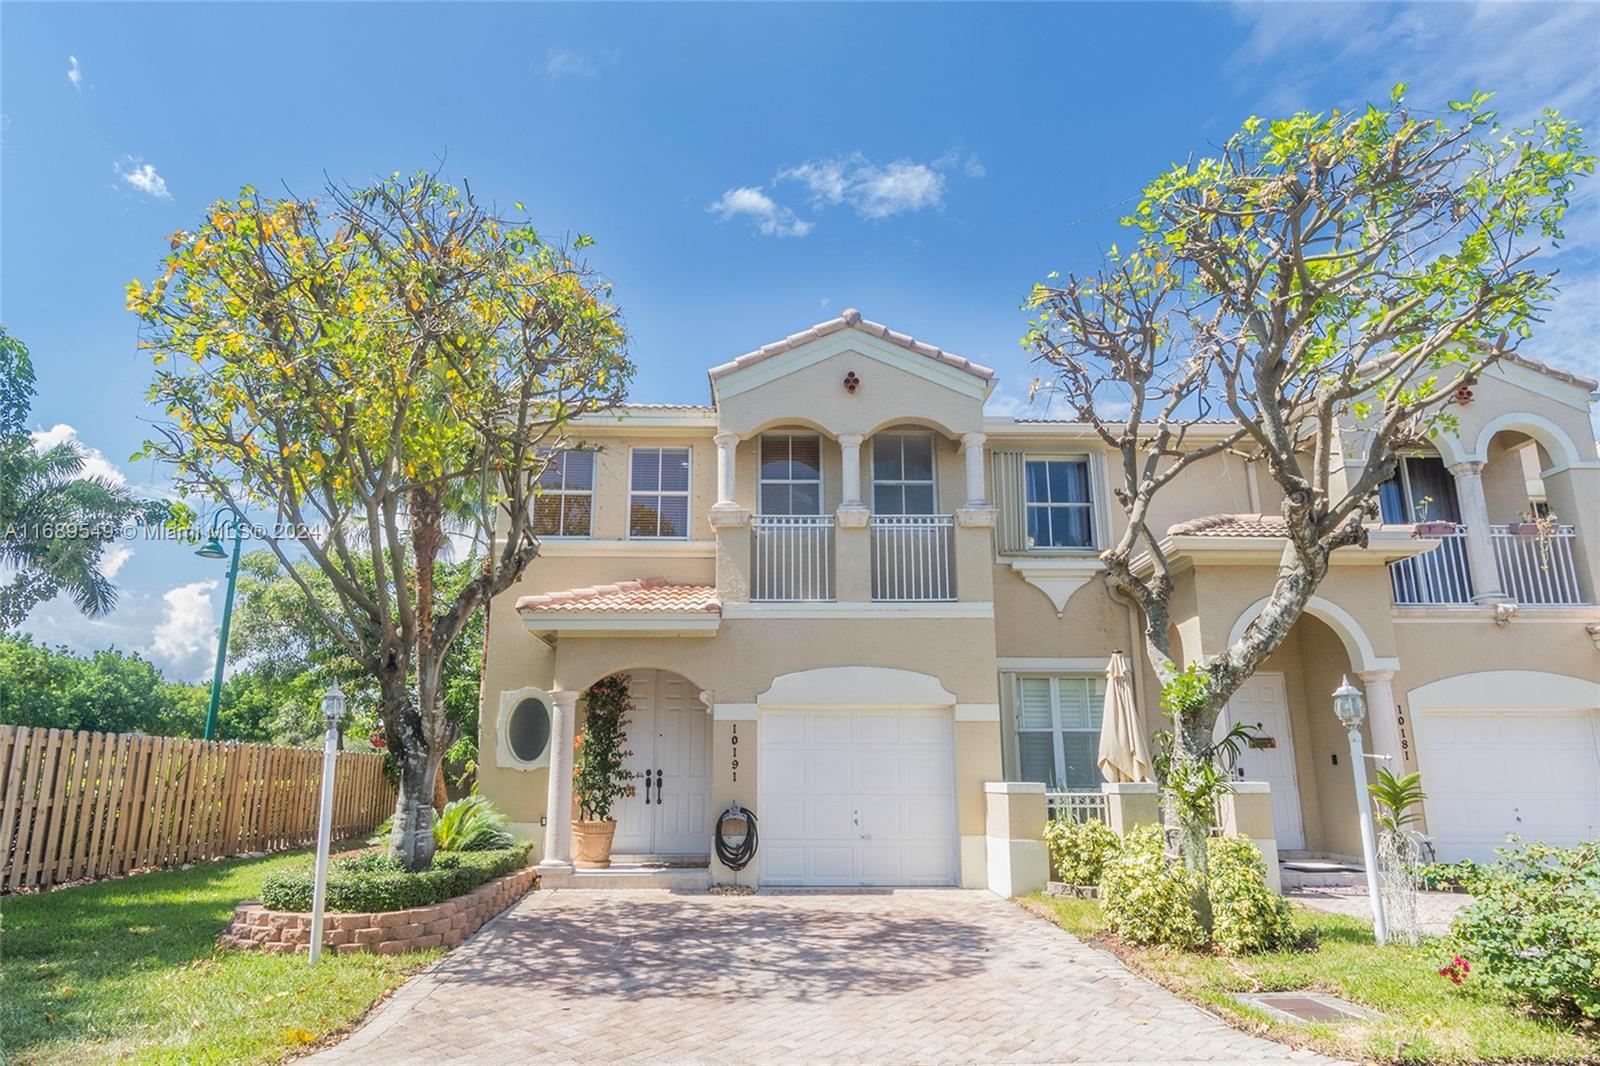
column 600, row 775
column 1430, row 528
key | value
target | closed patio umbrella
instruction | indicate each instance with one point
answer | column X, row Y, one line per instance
column 1123, row 753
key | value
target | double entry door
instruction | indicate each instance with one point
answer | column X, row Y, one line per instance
column 669, row 733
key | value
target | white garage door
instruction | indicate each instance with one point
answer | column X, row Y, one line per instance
column 857, row 797
column 1489, row 774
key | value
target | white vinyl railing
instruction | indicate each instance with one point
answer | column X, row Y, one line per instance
column 1537, row 568
column 912, row 557
column 1437, row 576
column 793, row 557
column 1074, row 806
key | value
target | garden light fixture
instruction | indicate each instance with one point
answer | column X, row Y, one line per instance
column 212, row 549
column 1351, row 708
column 332, row 715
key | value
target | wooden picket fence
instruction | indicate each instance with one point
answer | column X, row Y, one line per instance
column 91, row 805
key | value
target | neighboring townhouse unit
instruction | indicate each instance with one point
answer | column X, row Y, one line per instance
column 847, row 599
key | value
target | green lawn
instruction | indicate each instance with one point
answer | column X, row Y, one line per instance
column 1425, row 1017
column 129, row 970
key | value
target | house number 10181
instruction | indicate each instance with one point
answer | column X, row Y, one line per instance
column 736, row 751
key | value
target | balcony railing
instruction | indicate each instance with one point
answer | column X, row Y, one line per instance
column 1074, row 806
column 793, row 557
column 1439, row 576
column 1537, row 568
column 912, row 557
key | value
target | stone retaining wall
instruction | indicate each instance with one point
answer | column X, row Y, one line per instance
column 383, row 932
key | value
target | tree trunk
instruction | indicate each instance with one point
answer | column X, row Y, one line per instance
column 441, row 793
column 411, row 839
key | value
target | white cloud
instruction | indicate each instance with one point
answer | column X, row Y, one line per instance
column 114, row 559
column 95, row 463
column 143, row 176
column 184, row 641
column 770, row 218
column 74, row 72
column 568, row 63
column 874, row 191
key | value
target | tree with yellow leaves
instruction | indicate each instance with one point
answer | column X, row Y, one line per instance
column 367, row 372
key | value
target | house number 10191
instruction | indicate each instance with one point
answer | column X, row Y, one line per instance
column 736, row 751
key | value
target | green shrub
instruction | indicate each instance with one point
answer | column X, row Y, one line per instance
column 1533, row 926
column 1148, row 900
column 371, row 881
column 1246, row 916
column 471, row 823
column 1079, row 850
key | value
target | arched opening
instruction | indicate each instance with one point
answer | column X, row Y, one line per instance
column 1531, row 530
column 1303, row 751
column 669, row 743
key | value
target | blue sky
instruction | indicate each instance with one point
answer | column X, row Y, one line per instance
column 747, row 170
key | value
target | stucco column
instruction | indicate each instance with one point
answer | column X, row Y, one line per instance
column 850, row 458
column 972, row 448
column 1475, row 516
column 558, row 812
column 726, row 444
column 1382, row 717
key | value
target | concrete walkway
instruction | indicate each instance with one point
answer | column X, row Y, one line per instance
column 882, row 977
column 1435, row 910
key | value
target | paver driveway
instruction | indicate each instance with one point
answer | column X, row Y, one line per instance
column 881, row 977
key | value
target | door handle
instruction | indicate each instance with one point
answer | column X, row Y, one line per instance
column 658, row 786
column 647, row 786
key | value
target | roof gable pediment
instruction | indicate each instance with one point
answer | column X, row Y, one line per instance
column 849, row 333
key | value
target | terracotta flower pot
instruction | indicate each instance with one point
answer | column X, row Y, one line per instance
column 591, row 844
column 1434, row 529
column 1524, row 529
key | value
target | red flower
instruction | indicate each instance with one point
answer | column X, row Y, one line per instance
column 1455, row 969
column 377, row 739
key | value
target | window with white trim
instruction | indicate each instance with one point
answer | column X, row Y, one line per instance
column 902, row 474
column 564, row 506
column 1058, row 730
column 658, row 493
column 1059, row 502
column 791, row 474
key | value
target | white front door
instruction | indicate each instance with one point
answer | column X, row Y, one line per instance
column 1262, row 704
column 857, row 797
column 669, row 734
column 1493, row 773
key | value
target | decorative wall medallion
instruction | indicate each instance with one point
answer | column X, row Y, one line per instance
column 851, row 382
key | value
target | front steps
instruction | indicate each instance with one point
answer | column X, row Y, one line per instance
column 673, row 877
column 1318, row 872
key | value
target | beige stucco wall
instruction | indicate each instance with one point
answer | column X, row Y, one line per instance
column 964, row 653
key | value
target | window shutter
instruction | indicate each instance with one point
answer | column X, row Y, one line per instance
column 1011, row 501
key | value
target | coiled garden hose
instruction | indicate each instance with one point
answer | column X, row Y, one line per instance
column 736, row 856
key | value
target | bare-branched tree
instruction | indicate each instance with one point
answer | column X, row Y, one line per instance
column 1321, row 287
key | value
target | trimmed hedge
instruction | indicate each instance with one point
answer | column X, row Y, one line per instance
column 371, row 881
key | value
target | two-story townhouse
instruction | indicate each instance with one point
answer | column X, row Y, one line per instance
column 847, row 600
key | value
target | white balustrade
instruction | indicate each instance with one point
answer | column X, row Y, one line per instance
column 793, row 557
column 1537, row 568
column 1440, row 576
column 913, row 557
column 1074, row 806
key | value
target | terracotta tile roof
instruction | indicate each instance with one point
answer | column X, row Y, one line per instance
column 1553, row 371
column 850, row 319
column 651, row 594
column 1231, row 525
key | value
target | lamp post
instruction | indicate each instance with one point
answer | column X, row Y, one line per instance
column 332, row 713
column 212, row 549
column 1351, row 708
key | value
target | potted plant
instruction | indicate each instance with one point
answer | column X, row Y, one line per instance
column 1430, row 528
column 600, row 776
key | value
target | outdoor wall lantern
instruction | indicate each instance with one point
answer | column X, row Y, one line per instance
column 1351, row 707
column 332, row 715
